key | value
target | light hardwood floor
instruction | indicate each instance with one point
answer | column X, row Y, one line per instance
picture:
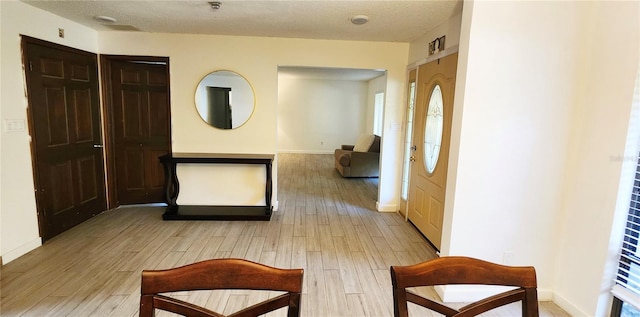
column 325, row 224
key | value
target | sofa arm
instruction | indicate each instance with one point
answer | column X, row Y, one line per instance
column 343, row 157
column 347, row 147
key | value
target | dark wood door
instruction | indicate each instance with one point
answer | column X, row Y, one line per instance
column 219, row 107
column 65, row 125
column 141, row 128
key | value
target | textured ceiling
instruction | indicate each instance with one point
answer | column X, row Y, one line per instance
column 389, row 21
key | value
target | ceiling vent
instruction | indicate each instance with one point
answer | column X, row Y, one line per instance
column 121, row 27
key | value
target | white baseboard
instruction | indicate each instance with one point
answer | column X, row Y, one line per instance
column 567, row 306
column 21, row 250
column 386, row 208
column 307, row 151
column 275, row 205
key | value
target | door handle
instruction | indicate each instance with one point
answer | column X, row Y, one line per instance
column 98, row 146
column 413, row 148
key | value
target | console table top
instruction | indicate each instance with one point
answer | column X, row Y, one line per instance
column 248, row 156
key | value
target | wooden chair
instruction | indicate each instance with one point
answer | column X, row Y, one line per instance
column 220, row 274
column 464, row 270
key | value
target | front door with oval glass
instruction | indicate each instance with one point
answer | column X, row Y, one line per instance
column 431, row 138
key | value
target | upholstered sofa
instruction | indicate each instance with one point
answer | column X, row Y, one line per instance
column 361, row 159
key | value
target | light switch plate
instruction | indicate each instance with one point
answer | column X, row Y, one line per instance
column 14, row 125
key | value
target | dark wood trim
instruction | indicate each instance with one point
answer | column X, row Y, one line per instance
column 33, row 40
column 105, row 78
column 31, row 126
column 105, row 75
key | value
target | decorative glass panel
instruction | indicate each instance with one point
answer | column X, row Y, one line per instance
column 408, row 142
column 433, row 130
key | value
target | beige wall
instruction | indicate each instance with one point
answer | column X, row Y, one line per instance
column 18, row 222
column 192, row 56
column 540, row 110
column 419, row 49
column 257, row 59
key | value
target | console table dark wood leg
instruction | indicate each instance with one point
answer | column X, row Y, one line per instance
column 269, row 189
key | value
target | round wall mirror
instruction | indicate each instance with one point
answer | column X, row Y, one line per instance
column 224, row 99
column 433, row 129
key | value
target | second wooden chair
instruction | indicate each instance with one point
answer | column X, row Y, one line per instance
column 464, row 270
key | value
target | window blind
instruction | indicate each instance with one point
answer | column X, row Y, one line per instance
column 627, row 286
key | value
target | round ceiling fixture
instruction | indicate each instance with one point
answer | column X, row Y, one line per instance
column 104, row 19
column 359, row 19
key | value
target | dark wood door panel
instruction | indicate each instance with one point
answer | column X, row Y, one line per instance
column 65, row 124
column 81, row 105
column 141, row 128
column 155, row 170
column 133, row 165
column 158, row 117
column 130, row 128
column 88, row 185
column 60, row 182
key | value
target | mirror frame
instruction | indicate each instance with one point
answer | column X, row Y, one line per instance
column 200, row 97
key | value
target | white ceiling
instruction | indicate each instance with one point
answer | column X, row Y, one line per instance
column 389, row 21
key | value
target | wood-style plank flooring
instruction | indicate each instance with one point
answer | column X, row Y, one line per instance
column 325, row 224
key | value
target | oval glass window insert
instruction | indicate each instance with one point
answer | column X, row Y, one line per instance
column 433, row 129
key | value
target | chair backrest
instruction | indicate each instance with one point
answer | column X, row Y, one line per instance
column 464, row 270
column 218, row 274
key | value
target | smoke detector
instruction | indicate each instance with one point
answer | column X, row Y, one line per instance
column 359, row 19
column 215, row 5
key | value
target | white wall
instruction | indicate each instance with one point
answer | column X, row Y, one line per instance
column 319, row 115
column 601, row 119
column 539, row 109
column 19, row 226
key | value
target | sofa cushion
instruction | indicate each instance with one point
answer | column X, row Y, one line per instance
column 375, row 146
column 345, row 159
column 364, row 143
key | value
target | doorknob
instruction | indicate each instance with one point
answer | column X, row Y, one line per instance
column 413, row 148
column 98, row 146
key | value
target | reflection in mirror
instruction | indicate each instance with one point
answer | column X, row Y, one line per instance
column 224, row 99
